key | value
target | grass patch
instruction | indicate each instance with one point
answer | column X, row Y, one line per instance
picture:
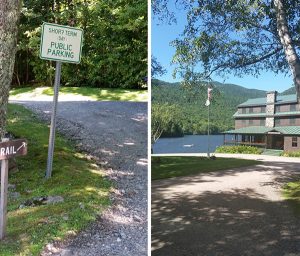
column 20, row 91
column 291, row 192
column 242, row 149
column 79, row 181
column 100, row 94
column 173, row 166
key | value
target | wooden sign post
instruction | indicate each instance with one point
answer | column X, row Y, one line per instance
column 8, row 149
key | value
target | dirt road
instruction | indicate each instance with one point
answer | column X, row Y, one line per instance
column 233, row 212
column 116, row 134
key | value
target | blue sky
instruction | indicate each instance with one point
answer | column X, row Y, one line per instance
column 161, row 36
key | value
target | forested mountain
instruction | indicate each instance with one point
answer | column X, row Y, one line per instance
column 193, row 115
column 291, row 90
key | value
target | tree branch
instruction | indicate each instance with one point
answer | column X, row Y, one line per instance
column 250, row 62
column 254, row 61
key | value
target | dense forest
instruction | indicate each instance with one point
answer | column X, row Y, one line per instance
column 114, row 52
column 192, row 115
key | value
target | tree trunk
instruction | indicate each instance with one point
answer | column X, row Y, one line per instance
column 9, row 15
column 286, row 41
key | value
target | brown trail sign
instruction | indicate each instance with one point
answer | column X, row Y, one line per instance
column 13, row 148
column 8, row 149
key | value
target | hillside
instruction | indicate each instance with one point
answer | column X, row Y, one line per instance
column 192, row 116
column 226, row 89
column 291, row 90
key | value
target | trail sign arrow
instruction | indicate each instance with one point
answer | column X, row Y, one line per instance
column 13, row 148
column 23, row 145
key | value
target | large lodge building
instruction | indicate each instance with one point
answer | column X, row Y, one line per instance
column 272, row 122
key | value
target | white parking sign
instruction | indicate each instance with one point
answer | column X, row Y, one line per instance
column 61, row 43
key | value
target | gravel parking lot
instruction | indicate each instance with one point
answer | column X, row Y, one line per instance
column 233, row 212
column 115, row 134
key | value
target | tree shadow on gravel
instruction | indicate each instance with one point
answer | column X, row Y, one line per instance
column 281, row 172
column 114, row 132
column 241, row 222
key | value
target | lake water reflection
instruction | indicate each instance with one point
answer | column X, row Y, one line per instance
column 189, row 144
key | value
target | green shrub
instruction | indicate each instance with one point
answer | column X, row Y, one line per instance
column 291, row 154
column 239, row 150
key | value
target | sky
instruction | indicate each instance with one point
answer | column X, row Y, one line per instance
column 161, row 36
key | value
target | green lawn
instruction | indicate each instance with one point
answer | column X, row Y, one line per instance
column 291, row 192
column 100, row 94
column 79, row 181
column 173, row 166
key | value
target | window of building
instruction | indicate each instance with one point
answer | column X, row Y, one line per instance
column 250, row 122
column 262, row 122
column 277, row 122
column 243, row 110
column 292, row 121
column 243, row 121
column 263, row 109
column 293, row 107
column 250, row 110
column 294, row 142
column 277, row 108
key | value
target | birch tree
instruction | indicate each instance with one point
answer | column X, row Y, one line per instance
column 9, row 13
column 242, row 37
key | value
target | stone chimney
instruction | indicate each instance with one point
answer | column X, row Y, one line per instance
column 270, row 108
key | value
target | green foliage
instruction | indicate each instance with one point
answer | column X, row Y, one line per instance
column 156, row 68
column 237, row 37
column 114, row 52
column 191, row 113
column 168, row 167
column 164, row 120
column 239, row 150
column 291, row 154
column 79, row 181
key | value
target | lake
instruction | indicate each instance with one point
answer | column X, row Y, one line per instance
column 188, row 144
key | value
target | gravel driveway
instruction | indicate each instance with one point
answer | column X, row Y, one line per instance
column 114, row 133
column 233, row 212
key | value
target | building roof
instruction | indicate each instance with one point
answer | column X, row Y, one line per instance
column 281, row 99
column 285, row 130
column 289, row 130
column 237, row 114
column 291, row 113
column 250, row 130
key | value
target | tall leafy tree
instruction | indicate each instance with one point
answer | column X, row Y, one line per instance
column 164, row 119
column 114, row 50
column 9, row 13
column 156, row 68
column 243, row 37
